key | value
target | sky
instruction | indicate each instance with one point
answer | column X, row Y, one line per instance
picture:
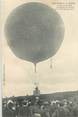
column 19, row 74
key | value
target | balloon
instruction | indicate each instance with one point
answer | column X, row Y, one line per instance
column 34, row 31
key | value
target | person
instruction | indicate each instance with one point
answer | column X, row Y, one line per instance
column 75, row 110
column 66, row 110
column 59, row 112
column 11, row 107
column 45, row 110
column 4, row 110
column 36, row 110
column 53, row 107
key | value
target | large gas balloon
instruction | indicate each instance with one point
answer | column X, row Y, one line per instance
column 34, row 31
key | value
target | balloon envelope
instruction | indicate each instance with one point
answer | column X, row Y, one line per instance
column 34, row 31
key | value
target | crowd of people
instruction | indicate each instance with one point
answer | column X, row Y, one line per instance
column 53, row 108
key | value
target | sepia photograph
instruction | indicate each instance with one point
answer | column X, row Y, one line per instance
column 39, row 58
